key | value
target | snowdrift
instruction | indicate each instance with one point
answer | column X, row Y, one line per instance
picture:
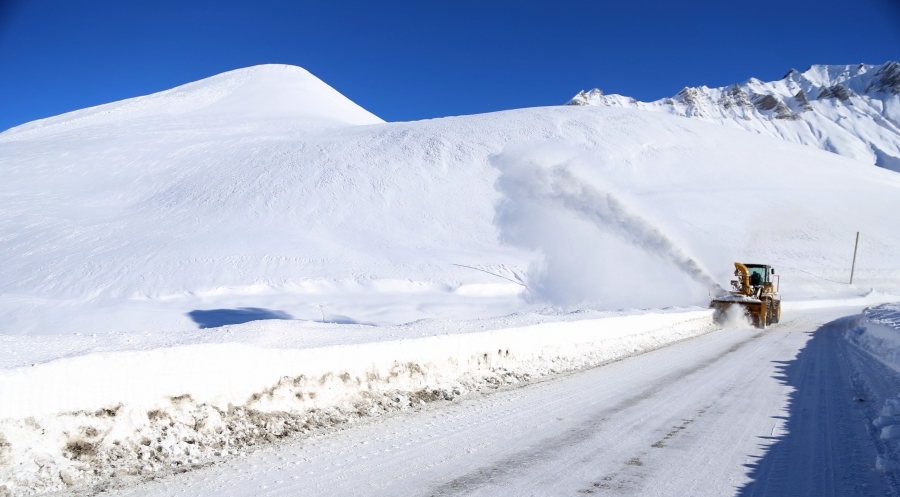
column 85, row 419
column 138, row 215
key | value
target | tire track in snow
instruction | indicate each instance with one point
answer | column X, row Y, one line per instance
column 828, row 445
column 421, row 453
column 523, row 460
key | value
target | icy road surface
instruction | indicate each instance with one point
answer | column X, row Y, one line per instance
column 784, row 411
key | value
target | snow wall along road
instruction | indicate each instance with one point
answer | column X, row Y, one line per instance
column 87, row 419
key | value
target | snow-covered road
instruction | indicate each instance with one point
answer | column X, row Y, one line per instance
column 828, row 442
column 731, row 412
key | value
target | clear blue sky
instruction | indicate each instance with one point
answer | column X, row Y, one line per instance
column 420, row 59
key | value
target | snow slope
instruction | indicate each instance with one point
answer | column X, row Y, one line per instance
column 161, row 218
column 269, row 92
column 850, row 110
column 131, row 232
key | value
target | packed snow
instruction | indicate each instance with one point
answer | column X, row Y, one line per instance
column 852, row 110
column 254, row 256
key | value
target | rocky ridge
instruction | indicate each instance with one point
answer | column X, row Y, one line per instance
column 851, row 110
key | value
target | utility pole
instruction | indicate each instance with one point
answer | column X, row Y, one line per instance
column 853, row 267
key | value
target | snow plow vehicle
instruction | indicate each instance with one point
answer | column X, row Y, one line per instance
column 754, row 294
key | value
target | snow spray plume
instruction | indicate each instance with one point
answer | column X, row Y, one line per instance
column 570, row 222
column 604, row 210
column 736, row 318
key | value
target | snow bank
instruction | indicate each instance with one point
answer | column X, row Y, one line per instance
column 870, row 298
column 877, row 331
column 83, row 419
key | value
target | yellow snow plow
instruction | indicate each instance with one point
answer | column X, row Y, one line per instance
column 754, row 294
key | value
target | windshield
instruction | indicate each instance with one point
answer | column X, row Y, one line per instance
column 758, row 276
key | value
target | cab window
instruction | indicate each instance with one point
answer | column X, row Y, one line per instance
column 758, row 276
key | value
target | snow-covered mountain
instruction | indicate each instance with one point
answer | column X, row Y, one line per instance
column 271, row 92
column 851, row 110
column 264, row 193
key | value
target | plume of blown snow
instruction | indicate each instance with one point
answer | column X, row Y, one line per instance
column 736, row 318
column 596, row 250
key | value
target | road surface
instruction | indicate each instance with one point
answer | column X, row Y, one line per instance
column 784, row 411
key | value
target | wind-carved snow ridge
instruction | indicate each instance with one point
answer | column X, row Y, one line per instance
column 851, row 110
column 537, row 187
column 193, row 405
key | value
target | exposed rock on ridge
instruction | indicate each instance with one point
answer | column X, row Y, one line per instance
column 852, row 110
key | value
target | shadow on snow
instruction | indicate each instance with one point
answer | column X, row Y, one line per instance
column 827, row 444
column 214, row 318
column 221, row 317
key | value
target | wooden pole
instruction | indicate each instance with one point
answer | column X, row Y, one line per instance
column 853, row 267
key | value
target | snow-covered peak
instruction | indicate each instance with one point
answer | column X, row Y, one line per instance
column 860, row 79
column 264, row 92
column 852, row 110
column 830, row 75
